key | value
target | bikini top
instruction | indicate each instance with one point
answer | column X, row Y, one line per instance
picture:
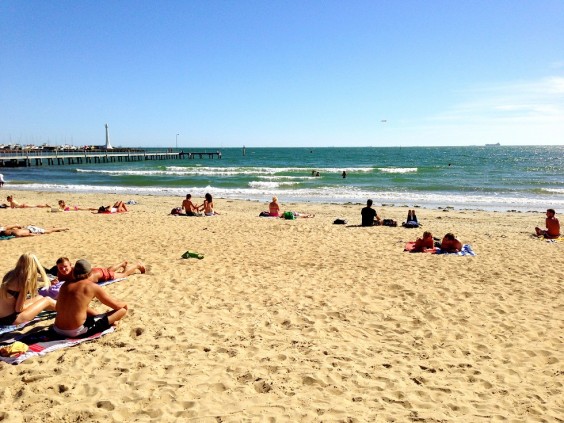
column 13, row 293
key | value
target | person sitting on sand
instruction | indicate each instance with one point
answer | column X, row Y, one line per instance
column 425, row 243
column 190, row 209
column 411, row 221
column 63, row 207
column 369, row 215
column 207, row 207
column 19, row 231
column 450, row 244
column 15, row 205
column 552, row 230
column 75, row 318
column 274, row 207
column 17, row 285
column 66, row 272
column 118, row 207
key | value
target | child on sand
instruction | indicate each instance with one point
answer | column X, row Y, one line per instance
column 552, row 226
column 74, row 316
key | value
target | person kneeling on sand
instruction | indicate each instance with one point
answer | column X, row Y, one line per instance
column 19, row 231
column 66, row 272
column 450, row 244
column 75, row 318
column 425, row 243
column 552, row 226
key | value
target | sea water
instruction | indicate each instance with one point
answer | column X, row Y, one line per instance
column 488, row 177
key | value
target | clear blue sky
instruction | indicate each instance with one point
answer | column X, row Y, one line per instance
column 282, row 73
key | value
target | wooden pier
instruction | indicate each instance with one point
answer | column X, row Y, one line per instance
column 51, row 158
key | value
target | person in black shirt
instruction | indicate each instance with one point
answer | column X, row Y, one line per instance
column 369, row 215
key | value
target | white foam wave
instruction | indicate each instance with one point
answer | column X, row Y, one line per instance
column 397, row 169
column 555, row 190
column 270, row 184
column 322, row 195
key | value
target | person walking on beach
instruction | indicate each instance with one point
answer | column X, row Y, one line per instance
column 19, row 284
column 369, row 215
column 1, row 180
column 552, row 230
column 74, row 317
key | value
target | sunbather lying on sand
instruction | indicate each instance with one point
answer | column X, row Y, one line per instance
column 15, row 205
column 425, row 243
column 66, row 272
column 450, row 244
column 118, row 207
column 63, row 207
column 19, row 231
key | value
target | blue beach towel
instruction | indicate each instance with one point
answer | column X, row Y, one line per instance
column 466, row 251
column 53, row 290
column 44, row 315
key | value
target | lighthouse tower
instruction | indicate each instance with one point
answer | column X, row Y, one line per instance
column 108, row 145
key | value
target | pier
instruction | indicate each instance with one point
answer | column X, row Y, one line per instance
column 25, row 158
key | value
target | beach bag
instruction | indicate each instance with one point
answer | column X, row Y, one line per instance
column 289, row 215
column 176, row 211
column 264, row 214
column 389, row 222
column 339, row 222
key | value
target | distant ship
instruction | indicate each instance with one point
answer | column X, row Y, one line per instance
column 493, row 145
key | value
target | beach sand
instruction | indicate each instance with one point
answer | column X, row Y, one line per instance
column 299, row 320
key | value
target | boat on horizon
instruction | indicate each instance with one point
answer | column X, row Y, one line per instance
column 493, row 145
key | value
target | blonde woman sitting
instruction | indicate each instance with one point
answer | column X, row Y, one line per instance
column 17, row 285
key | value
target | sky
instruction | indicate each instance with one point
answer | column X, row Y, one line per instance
column 282, row 73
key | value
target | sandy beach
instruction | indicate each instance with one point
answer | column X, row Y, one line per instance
column 299, row 320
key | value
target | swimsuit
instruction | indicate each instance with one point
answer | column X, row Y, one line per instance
column 13, row 293
column 90, row 326
column 35, row 229
column 8, row 320
column 107, row 274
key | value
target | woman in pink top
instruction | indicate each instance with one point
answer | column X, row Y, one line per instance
column 274, row 208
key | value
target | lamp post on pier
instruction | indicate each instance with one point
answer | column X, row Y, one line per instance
column 177, row 141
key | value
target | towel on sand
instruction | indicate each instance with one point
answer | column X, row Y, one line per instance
column 45, row 341
column 53, row 290
column 44, row 315
column 466, row 251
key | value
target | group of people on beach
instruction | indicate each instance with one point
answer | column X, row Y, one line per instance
column 21, row 298
column 449, row 243
column 188, row 208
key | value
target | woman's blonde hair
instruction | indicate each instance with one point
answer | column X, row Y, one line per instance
column 25, row 276
column 275, row 199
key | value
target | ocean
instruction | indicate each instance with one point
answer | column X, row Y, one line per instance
column 501, row 178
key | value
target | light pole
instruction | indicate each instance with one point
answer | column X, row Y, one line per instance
column 177, row 141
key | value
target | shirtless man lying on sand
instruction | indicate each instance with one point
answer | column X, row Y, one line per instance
column 15, row 205
column 552, row 226
column 74, row 317
column 19, row 231
column 65, row 271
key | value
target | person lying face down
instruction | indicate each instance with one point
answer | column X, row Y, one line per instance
column 422, row 244
column 450, row 244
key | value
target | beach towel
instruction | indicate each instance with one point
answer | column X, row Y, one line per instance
column 3, row 237
column 53, row 290
column 45, row 341
column 466, row 251
column 411, row 245
column 44, row 315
